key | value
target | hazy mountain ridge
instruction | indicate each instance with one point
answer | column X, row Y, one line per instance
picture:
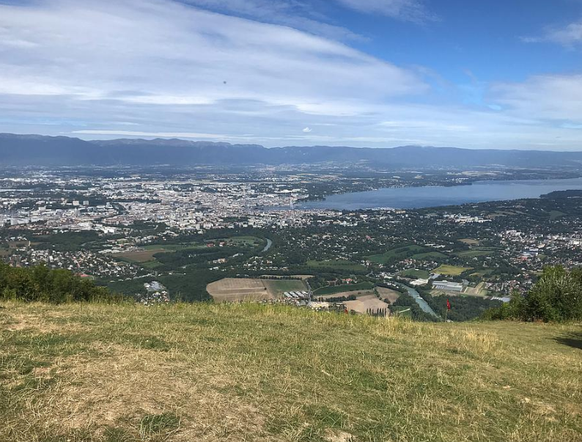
column 37, row 150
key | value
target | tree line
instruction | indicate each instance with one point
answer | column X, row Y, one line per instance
column 41, row 284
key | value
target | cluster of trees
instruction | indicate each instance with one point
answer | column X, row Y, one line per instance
column 557, row 296
column 339, row 299
column 41, row 284
column 463, row 308
column 416, row 313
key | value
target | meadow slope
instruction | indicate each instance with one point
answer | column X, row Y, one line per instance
column 199, row 372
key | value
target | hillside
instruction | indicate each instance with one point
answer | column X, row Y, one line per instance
column 36, row 150
column 89, row 372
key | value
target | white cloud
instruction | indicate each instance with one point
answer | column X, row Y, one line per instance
column 408, row 10
column 544, row 97
column 167, row 53
column 568, row 36
column 307, row 130
column 168, row 70
column 298, row 14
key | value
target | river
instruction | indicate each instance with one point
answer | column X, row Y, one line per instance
column 435, row 196
column 420, row 301
column 268, row 246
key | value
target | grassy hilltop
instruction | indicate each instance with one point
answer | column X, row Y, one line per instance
column 120, row 373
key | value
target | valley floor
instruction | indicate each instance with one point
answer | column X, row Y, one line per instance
column 272, row 373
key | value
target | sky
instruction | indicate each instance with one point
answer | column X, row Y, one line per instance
column 366, row 73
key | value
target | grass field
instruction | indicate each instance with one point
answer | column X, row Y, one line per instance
column 470, row 241
column 398, row 252
column 340, row 265
column 138, row 256
column 429, row 256
column 477, row 251
column 389, row 294
column 97, row 373
column 413, row 273
column 145, row 256
column 450, row 270
column 245, row 240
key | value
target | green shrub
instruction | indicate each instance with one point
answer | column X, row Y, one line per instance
column 557, row 296
column 41, row 284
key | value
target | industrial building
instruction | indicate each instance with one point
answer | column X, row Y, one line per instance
column 448, row 286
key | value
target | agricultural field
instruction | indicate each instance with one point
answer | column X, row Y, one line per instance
column 146, row 255
column 138, row 256
column 449, row 270
column 239, row 290
column 432, row 256
column 340, row 265
column 470, row 241
column 363, row 303
column 388, row 294
column 415, row 274
column 478, row 291
column 475, row 252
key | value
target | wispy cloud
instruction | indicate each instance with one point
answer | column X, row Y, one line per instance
column 568, row 36
column 545, row 97
column 298, row 14
column 128, row 133
column 408, row 10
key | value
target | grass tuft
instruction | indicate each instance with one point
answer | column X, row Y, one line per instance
column 156, row 426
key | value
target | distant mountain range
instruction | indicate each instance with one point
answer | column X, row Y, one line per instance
column 37, row 150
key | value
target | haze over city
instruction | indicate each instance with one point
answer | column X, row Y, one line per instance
column 362, row 73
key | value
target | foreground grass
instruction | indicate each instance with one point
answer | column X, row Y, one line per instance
column 259, row 373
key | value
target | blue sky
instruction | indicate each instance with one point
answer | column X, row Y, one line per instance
column 377, row 73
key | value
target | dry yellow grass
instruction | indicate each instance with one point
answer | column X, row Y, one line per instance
column 272, row 373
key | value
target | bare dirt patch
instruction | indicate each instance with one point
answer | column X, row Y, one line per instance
column 364, row 303
column 389, row 294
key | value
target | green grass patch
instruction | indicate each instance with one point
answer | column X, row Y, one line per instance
column 399, row 253
column 157, row 425
column 416, row 274
column 477, row 251
column 450, row 270
column 429, row 256
column 340, row 265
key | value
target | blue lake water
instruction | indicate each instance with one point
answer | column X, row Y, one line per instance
column 419, row 197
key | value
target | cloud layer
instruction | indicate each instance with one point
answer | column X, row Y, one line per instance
column 163, row 68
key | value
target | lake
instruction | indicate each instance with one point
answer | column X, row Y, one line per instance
column 419, row 197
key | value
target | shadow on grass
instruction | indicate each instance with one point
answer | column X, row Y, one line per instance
column 573, row 340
